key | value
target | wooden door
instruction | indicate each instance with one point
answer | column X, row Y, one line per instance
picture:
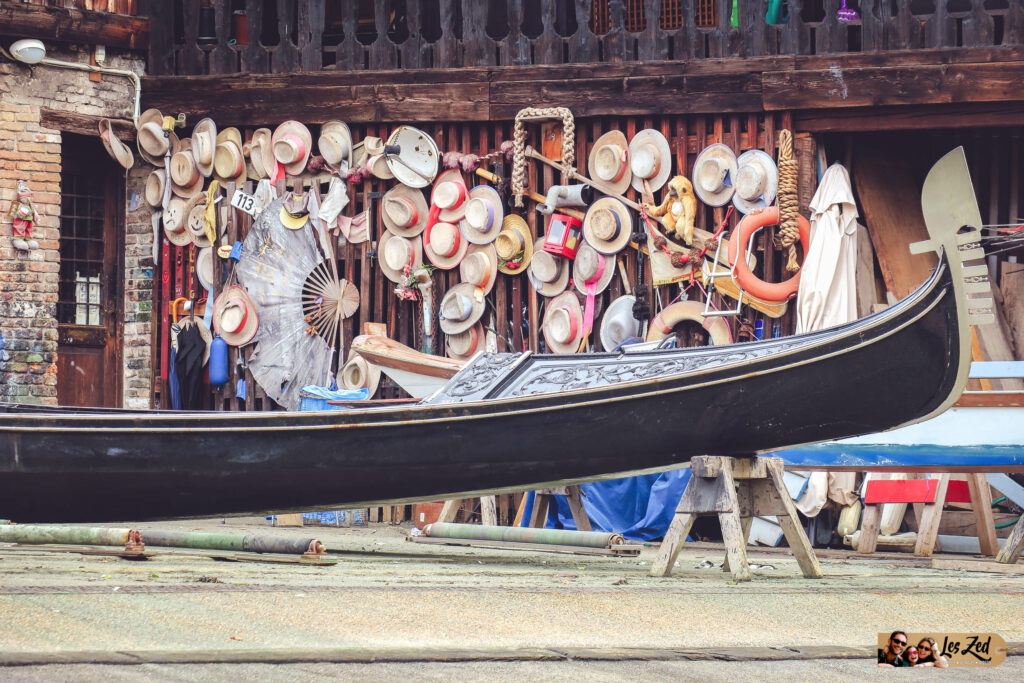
column 90, row 298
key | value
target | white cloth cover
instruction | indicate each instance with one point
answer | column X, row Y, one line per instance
column 334, row 202
column 263, row 195
column 828, row 292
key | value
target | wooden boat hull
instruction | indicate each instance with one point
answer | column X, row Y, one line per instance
column 895, row 367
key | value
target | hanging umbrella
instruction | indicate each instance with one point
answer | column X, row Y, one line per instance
column 301, row 303
column 828, row 294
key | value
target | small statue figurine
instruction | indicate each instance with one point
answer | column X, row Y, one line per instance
column 24, row 215
column 679, row 209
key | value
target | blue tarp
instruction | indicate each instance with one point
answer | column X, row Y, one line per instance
column 640, row 508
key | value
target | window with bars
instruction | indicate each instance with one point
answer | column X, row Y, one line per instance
column 81, row 295
column 705, row 13
column 671, row 17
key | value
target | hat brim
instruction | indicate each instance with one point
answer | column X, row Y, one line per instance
column 342, row 128
column 248, row 330
column 613, row 137
column 489, row 194
column 625, row 228
column 208, row 128
column 294, row 128
column 160, row 183
column 372, row 373
column 458, row 213
column 602, row 282
column 153, row 116
column 771, row 185
column 200, row 240
column 204, row 267
column 563, row 299
column 398, row 276
column 608, row 343
column 723, row 153
column 517, row 224
column 481, row 342
column 476, row 312
column 117, row 150
column 665, row 165
column 422, row 211
column 492, row 259
column 549, row 289
column 446, row 262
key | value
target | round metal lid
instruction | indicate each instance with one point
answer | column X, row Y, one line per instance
column 417, row 158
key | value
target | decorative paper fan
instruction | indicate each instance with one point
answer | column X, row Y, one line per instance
column 327, row 300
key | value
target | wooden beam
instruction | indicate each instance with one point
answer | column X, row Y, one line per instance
column 870, row 119
column 83, row 124
column 74, row 26
column 902, row 85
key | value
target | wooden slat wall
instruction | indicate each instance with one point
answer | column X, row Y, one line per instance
column 884, row 25
column 513, row 300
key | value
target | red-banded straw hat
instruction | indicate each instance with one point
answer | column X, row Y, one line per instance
column 234, row 316
column 563, row 323
column 449, row 196
column 591, row 266
column 480, row 267
column 444, row 245
column 404, row 211
column 466, row 344
column 117, row 150
column 395, row 253
column 292, row 143
column 608, row 162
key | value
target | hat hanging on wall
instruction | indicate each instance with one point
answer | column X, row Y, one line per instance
column 335, row 144
column 359, row 373
column 608, row 162
column 291, row 143
column 117, row 150
column 204, row 268
column 150, row 140
column 592, row 266
column 204, row 145
column 175, row 218
column 155, row 184
column 549, row 274
column 460, row 308
column 650, row 159
column 484, row 214
column 618, row 323
column 404, row 211
column 514, row 245
column 757, row 181
column 229, row 162
column 563, row 323
column 714, row 174
column 464, row 345
column 379, row 168
column 444, row 245
column 186, row 180
column 234, row 316
column 195, row 224
column 261, row 153
column 480, row 267
column 449, row 196
column 395, row 253
column 607, row 225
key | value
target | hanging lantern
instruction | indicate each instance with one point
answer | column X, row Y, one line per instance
column 563, row 236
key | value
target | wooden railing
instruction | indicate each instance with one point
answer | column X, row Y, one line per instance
column 188, row 37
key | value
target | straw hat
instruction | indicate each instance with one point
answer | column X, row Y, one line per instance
column 618, row 323
column 714, row 173
column 335, row 144
column 372, row 145
column 359, row 373
column 563, row 323
column 195, row 224
column 261, row 153
column 460, row 308
column 150, row 140
column 404, row 211
column 234, row 316
column 450, row 195
column 155, row 187
column 609, row 161
column 464, row 345
column 484, row 214
column 379, row 168
column 176, row 218
column 549, row 274
column 186, row 180
column 204, row 144
column 650, row 159
column 514, row 245
column 480, row 266
column 757, row 181
column 204, row 268
column 444, row 245
column 229, row 162
column 586, row 266
column 117, row 150
column 292, row 143
column 394, row 252
column 294, row 213
column 607, row 225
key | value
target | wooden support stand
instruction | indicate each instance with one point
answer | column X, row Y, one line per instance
column 737, row 490
column 543, row 498
column 488, row 510
column 1014, row 544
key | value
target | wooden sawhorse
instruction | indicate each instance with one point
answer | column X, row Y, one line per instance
column 737, row 490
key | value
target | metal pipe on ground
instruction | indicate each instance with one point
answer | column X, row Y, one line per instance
column 244, row 543
column 41, row 534
column 513, row 534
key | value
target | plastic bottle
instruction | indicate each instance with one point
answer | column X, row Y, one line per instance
column 218, row 361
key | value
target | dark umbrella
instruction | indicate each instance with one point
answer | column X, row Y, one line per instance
column 189, row 365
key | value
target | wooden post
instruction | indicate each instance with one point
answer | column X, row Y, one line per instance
column 1014, row 544
column 928, row 530
column 870, row 521
column 981, row 501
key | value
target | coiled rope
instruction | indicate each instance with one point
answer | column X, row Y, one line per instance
column 789, row 206
column 519, row 141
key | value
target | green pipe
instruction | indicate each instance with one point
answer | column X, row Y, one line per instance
column 1006, row 524
column 242, row 543
column 37, row 534
column 518, row 534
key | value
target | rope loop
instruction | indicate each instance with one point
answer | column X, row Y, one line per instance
column 519, row 142
column 789, row 206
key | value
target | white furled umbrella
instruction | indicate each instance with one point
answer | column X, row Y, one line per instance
column 828, row 293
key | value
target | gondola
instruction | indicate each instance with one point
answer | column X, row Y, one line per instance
column 514, row 421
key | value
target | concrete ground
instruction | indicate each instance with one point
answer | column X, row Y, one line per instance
column 393, row 610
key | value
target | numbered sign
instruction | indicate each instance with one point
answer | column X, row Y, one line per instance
column 245, row 202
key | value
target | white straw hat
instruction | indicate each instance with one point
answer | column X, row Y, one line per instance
column 608, row 162
column 563, row 323
column 757, row 181
column 714, row 173
column 650, row 159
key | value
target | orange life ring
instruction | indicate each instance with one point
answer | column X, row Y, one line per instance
column 676, row 313
column 768, row 291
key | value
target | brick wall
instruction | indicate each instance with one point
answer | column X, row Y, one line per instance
column 29, row 281
column 138, row 292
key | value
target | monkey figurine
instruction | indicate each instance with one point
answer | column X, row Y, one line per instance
column 679, row 209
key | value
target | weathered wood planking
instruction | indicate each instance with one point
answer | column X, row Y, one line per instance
column 75, row 26
column 84, row 124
